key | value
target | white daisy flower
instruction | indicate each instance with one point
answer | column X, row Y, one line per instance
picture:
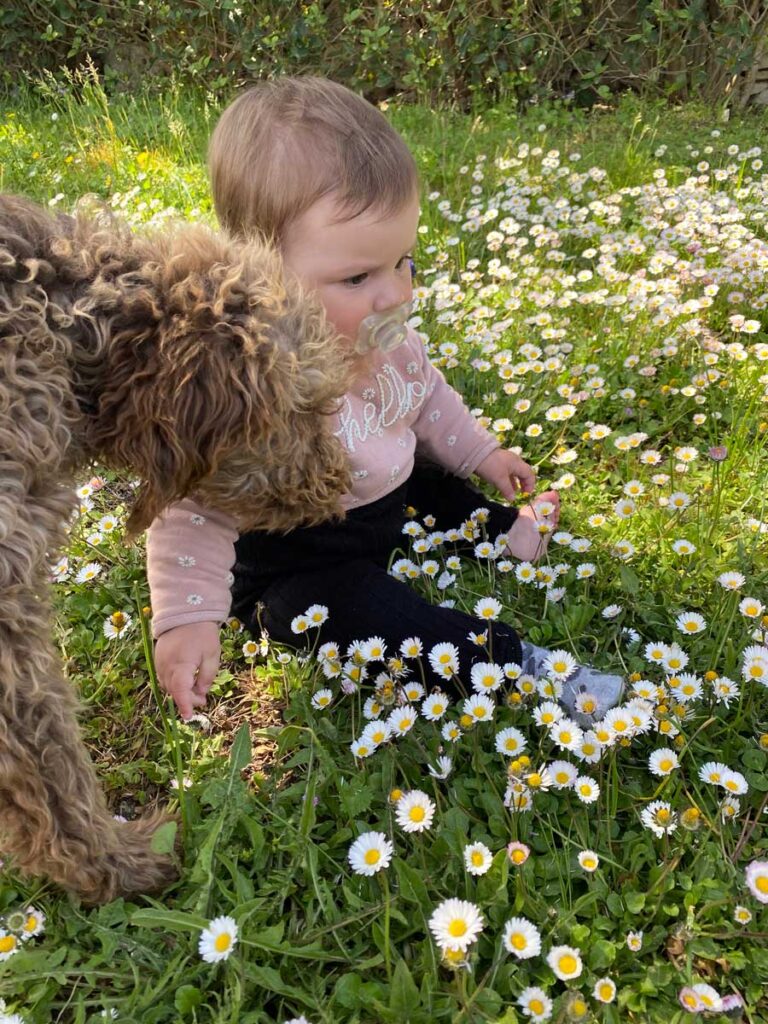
column 751, row 608
column 402, row 720
column 486, row 676
column 477, row 858
column 521, row 938
column 443, row 768
column 565, row 961
column 116, row 625
column 434, row 706
column 510, row 742
column 731, row 580
column 488, row 608
column 413, row 691
column 663, row 761
column 547, row 713
column 586, row 789
column 376, row 732
column 536, row 1004
column 659, row 818
column 479, row 707
column 456, row 924
column 604, row 990
column 414, row 811
column 444, row 659
column 756, row 877
column 370, row 852
column 559, row 664
column 322, row 699
column 218, row 940
column 88, row 572
column 566, row 734
column 713, row 772
column 589, row 860
column 690, row 623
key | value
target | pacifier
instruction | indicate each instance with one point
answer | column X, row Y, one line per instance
column 384, row 331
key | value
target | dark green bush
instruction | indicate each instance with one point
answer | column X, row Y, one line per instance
column 460, row 51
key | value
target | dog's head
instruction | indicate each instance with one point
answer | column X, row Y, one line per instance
column 214, row 378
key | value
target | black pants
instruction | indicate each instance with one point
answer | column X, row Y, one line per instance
column 344, row 566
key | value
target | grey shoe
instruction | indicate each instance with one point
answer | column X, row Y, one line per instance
column 606, row 689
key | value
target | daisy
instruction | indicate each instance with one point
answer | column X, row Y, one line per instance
column 376, row 733
column 362, row 748
column 443, row 769
column 751, row 608
column 434, row 706
column 322, row 699
column 586, row 789
column 116, row 624
column 486, row 677
column 456, row 924
column 317, row 614
column 683, row 547
column 477, row 858
column 451, row 732
column 713, row 771
column 634, row 941
column 690, row 622
column 742, row 915
column 725, row 690
column 374, row 649
column 548, row 713
column 585, row 570
column 510, row 742
column 604, row 990
column 589, row 860
column 369, row 853
column 34, row 923
column 755, row 666
column 413, row 691
column 734, row 782
column 756, row 877
column 9, row 945
column 675, row 659
column 731, row 580
column 659, row 818
column 559, row 664
column 88, row 572
column 700, row 998
column 488, row 608
column 525, row 572
column 535, row 1003
column 414, row 811
column 678, row 501
column 402, row 720
column 444, row 659
column 565, row 961
column 218, row 940
column 480, row 708
column 412, row 647
column 563, row 774
column 566, row 734
column 518, row 853
column 663, row 761
column 521, row 938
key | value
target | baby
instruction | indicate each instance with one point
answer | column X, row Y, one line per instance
column 323, row 175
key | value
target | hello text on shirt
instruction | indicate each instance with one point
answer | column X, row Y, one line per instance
column 391, row 399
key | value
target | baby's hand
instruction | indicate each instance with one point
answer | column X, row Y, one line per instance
column 187, row 660
column 508, row 473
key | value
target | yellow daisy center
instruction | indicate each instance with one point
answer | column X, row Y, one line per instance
column 761, row 884
column 417, row 814
column 666, row 765
column 479, row 712
column 30, row 924
column 536, row 1006
column 477, row 859
column 662, row 814
column 222, row 942
column 518, row 856
column 457, row 928
column 567, row 963
column 7, row 943
column 518, row 941
column 405, row 723
column 606, row 991
column 372, row 857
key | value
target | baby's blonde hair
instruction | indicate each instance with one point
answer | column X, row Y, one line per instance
column 284, row 144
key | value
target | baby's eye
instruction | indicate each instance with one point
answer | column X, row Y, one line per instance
column 406, row 261
column 355, row 279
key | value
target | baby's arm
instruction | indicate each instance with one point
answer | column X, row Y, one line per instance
column 190, row 554
column 451, row 436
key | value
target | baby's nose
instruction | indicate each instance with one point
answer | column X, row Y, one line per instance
column 391, row 296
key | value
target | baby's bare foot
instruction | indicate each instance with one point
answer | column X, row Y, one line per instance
column 528, row 537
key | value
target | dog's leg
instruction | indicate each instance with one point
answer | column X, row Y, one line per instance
column 53, row 816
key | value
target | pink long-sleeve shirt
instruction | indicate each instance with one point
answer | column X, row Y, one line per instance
column 399, row 403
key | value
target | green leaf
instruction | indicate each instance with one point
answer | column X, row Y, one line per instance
column 355, row 798
column 634, row 901
column 403, row 994
column 187, row 998
column 754, row 758
column 629, row 579
column 164, row 838
column 169, row 920
column 601, row 955
column 412, row 887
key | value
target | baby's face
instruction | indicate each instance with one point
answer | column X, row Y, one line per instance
column 357, row 267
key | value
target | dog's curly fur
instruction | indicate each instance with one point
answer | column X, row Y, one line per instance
column 188, row 360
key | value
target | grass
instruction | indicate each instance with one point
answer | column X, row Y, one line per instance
column 268, row 792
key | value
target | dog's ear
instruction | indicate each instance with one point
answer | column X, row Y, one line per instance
column 214, row 359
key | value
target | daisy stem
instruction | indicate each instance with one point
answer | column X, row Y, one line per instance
column 387, row 960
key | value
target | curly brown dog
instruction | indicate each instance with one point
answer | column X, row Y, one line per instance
column 187, row 360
